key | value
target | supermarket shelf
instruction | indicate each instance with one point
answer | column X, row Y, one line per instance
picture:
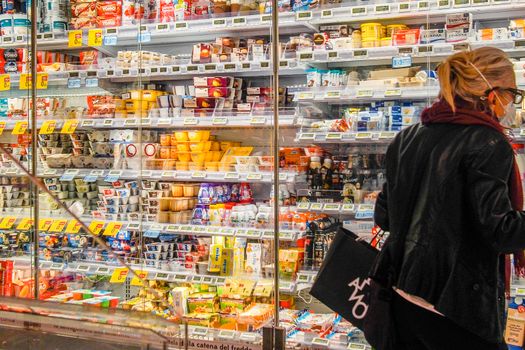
column 347, row 94
column 166, row 175
column 417, row 12
column 360, row 211
column 346, row 137
column 224, row 120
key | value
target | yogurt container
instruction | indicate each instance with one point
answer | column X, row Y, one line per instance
column 21, row 24
column 6, row 25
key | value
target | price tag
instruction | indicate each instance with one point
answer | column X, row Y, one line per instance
column 73, row 83
column 69, row 175
column 347, row 208
column 332, row 94
column 5, row 82
column 96, row 227
column 230, row 66
column 422, row 5
column 2, row 126
column 180, row 278
column 401, row 61
column 199, row 331
column 480, row 2
column 387, row 135
column 306, row 56
column 320, row 342
column 161, row 276
column 7, row 222
column 83, row 268
column 50, row 172
column 107, row 122
column 95, row 37
column 25, row 81
column 130, row 122
column 248, row 337
column 20, row 127
column 380, row 9
column 47, row 127
column 231, row 176
column 393, row 92
column 303, row 206
column 93, row 175
column 425, row 49
column 44, row 224
column 404, row 7
column 119, row 275
column 198, row 175
column 113, row 228
column 103, row 270
column 74, row 38
column 162, row 27
column 219, row 121
column 444, row 4
column 42, row 80
column 254, row 176
column 88, row 123
column 226, row 334
column 70, row 125
column 303, row 15
column 110, row 40
column 361, row 53
column 190, row 121
column 307, row 136
column 219, row 22
column 136, row 281
column 169, row 174
column 239, row 21
column 461, row 3
column 334, row 136
column 316, row 206
column 56, row 266
column 152, row 233
column 284, row 64
column 258, row 120
column 113, row 176
column 359, row 11
column 265, row 18
column 25, row 224
column 327, row 13
column 305, row 95
column 144, row 37
column 356, row 346
column 73, row 227
column 363, row 135
column 332, row 207
column 181, row 25
column 58, row 225
column 364, row 93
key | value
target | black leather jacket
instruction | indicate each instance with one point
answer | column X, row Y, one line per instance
column 446, row 204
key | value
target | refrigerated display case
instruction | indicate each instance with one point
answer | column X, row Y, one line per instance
column 166, row 187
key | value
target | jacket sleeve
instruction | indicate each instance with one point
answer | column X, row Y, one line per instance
column 488, row 195
column 381, row 209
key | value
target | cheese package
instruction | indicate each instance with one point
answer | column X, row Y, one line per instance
column 457, row 35
column 430, row 36
column 459, row 20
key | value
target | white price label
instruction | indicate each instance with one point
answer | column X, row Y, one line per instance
column 181, row 25
column 327, row 13
column 164, row 121
column 198, row 174
column 305, row 95
column 348, row 208
column 257, row 120
column 316, row 206
column 332, row 94
column 334, row 136
column 363, row 135
column 303, row 15
column 254, row 176
column 239, row 21
column 190, row 121
column 162, row 27
column 364, row 93
column 219, row 121
column 387, row 135
column 307, row 136
column 220, row 22
column 393, row 92
column 303, row 206
column 231, row 176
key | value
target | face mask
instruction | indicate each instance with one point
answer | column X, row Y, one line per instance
column 508, row 119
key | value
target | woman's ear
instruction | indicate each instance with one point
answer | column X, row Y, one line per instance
column 495, row 105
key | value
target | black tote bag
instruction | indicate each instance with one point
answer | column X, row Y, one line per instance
column 342, row 283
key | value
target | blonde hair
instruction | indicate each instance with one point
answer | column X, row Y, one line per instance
column 461, row 75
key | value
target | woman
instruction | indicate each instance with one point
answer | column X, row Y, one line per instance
column 453, row 205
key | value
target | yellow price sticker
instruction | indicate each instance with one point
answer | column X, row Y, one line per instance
column 135, row 281
column 96, row 227
column 73, row 227
column 48, row 127
column 2, row 127
column 119, row 275
column 20, row 127
column 25, row 81
column 7, row 222
column 58, row 226
column 5, row 82
column 44, row 224
column 42, row 80
column 69, row 126
column 75, row 38
column 112, row 229
column 25, row 224
column 95, row 37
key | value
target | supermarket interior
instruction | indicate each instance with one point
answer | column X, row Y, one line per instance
column 155, row 192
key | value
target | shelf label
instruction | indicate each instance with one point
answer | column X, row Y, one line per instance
column 254, row 176
column 198, row 174
column 88, row 123
column 461, row 3
column 69, row 127
column 320, row 342
column 69, row 175
column 20, row 127
column 265, row 18
column 83, row 268
column 96, row 227
column 161, row 276
column 348, row 208
column 443, row 4
column 387, row 135
column 356, row 346
column 230, row 66
column 2, row 126
column 303, row 15
column 7, row 222
column 95, row 37
column 334, row 136
column 25, row 224
column 103, row 270
column 258, row 120
column 219, row 22
column 401, row 61
column 42, row 81
column 359, row 11
column 305, row 95
column 332, row 94
column 170, row 174
column 181, row 25
column 74, row 38
column 303, row 206
column 316, row 206
column 113, row 228
column 190, row 121
column 110, row 40
column 365, row 93
column 47, row 127
column 44, row 224
column 219, row 121
column 162, row 27
column 422, row 5
column 119, row 275
column 381, row 9
column 332, row 206
column 58, row 226
column 307, row 136
column 393, row 92
column 231, row 176
column 25, row 81
column 327, row 14
column 73, row 83
column 73, row 227
column 5, row 82
column 136, row 281
column 404, row 7
column 130, row 122
column 306, row 56
column 144, row 36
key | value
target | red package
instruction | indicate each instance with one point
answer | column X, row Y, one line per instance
column 6, row 275
column 104, row 22
column 166, row 11
column 406, row 37
column 83, row 22
column 88, row 58
column 84, row 9
column 110, row 8
column 100, row 105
